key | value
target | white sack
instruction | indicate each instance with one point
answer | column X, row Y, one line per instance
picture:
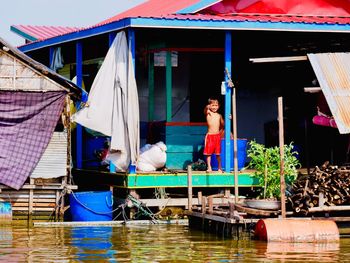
column 152, row 157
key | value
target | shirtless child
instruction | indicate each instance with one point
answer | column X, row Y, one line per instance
column 215, row 124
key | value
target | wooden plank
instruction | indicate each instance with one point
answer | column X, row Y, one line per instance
column 221, row 218
column 25, row 200
column 44, row 187
column 23, row 204
column 278, row 59
column 312, row 89
column 51, row 209
column 254, row 211
column 329, row 208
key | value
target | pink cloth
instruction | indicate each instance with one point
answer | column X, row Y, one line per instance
column 324, row 121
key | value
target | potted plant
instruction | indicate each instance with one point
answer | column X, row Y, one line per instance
column 266, row 162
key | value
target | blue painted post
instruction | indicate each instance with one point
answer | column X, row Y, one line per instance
column 131, row 35
column 111, row 37
column 79, row 129
column 131, row 42
column 228, row 58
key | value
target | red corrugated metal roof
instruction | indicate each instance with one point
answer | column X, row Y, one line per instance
column 166, row 9
column 45, row 32
column 153, row 8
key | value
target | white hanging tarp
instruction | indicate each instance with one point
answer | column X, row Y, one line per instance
column 113, row 107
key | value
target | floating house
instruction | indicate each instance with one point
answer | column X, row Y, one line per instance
column 35, row 171
column 185, row 52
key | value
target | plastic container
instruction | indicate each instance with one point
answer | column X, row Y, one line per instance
column 91, row 206
column 241, row 154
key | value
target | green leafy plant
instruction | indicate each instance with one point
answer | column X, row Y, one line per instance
column 266, row 162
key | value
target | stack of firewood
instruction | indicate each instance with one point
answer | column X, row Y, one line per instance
column 326, row 185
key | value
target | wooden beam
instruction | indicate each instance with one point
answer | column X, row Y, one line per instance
column 278, row 59
column 312, row 89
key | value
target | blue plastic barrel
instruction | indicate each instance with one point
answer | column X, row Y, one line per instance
column 91, row 206
column 241, row 154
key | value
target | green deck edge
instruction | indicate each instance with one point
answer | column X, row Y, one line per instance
column 168, row 180
column 180, row 180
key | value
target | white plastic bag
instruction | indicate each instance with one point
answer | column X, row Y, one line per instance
column 152, row 157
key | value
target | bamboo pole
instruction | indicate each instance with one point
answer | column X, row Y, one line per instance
column 281, row 142
column 189, row 187
column 234, row 125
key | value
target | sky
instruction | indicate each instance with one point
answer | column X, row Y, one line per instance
column 56, row 13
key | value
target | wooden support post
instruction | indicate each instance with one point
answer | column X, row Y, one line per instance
column 189, row 186
column 210, row 205
column 235, row 151
column 30, row 202
column 62, row 209
column 57, row 206
column 281, row 142
column 199, row 195
column 231, row 209
column 204, row 204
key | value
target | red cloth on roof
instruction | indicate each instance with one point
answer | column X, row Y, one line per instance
column 292, row 7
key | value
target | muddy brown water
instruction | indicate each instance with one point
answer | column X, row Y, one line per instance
column 152, row 243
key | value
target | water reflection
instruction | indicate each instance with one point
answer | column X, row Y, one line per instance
column 325, row 252
column 92, row 243
column 153, row 243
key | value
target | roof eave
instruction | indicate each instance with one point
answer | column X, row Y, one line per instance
column 187, row 24
column 74, row 36
column 239, row 25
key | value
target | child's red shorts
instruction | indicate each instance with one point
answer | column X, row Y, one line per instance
column 212, row 144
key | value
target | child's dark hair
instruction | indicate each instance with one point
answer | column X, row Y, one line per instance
column 210, row 100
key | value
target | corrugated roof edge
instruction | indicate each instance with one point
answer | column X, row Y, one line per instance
column 73, row 89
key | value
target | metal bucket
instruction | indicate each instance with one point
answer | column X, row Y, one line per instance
column 296, row 230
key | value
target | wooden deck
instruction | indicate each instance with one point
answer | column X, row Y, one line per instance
column 223, row 217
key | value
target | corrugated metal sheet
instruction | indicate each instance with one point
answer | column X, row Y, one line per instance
column 43, row 32
column 53, row 163
column 333, row 73
column 152, row 8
